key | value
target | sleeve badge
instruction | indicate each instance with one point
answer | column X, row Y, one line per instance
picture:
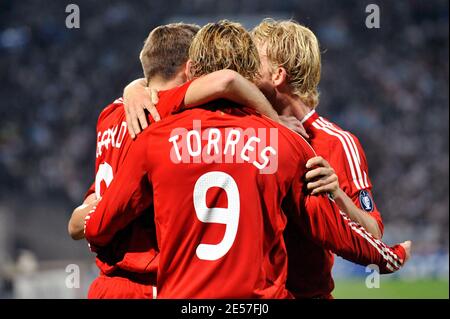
column 365, row 200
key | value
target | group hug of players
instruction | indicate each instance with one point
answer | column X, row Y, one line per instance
column 185, row 207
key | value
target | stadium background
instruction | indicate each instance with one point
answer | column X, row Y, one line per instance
column 389, row 86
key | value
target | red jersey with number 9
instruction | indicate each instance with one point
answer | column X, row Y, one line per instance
column 217, row 178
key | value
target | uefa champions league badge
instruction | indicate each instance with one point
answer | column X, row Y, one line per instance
column 366, row 201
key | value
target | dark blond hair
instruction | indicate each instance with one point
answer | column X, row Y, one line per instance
column 224, row 45
column 295, row 48
column 166, row 50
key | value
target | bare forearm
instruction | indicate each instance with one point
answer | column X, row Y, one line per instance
column 76, row 222
column 230, row 85
column 356, row 214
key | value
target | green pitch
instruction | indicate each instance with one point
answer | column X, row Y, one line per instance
column 392, row 289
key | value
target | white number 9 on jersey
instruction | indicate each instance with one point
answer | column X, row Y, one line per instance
column 227, row 216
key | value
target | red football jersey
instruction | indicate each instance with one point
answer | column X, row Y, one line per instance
column 310, row 264
column 133, row 248
column 209, row 232
column 217, row 180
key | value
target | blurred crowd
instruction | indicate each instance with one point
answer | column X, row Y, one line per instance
column 389, row 86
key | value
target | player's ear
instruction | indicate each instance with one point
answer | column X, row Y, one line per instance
column 188, row 70
column 279, row 76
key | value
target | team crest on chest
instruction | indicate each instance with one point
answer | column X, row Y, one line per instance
column 366, row 201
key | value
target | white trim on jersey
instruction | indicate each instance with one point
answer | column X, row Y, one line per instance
column 307, row 116
column 352, row 147
column 365, row 179
column 382, row 249
column 346, row 151
column 155, row 292
column 346, row 134
column 118, row 101
column 351, row 151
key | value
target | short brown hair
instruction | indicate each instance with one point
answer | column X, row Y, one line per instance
column 295, row 48
column 224, row 45
column 166, row 50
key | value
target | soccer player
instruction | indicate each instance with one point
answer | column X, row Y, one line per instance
column 128, row 263
column 290, row 75
column 200, row 167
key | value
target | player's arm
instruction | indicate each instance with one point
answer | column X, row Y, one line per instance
column 76, row 223
column 357, row 186
column 128, row 195
column 320, row 219
column 323, row 222
column 223, row 84
column 322, row 179
column 230, row 85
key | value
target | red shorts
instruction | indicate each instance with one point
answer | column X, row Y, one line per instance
column 121, row 285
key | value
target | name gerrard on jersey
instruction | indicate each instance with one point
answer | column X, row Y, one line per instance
column 234, row 145
column 111, row 136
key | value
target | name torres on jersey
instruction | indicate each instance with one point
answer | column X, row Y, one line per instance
column 233, row 145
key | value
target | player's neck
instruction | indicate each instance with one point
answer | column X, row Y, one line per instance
column 292, row 105
column 160, row 84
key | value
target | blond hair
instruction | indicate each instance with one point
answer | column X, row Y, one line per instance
column 166, row 50
column 224, row 45
column 295, row 48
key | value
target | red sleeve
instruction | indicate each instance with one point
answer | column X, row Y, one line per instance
column 327, row 226
column 126, row 198
column 173, row 100
column 350, row 164
column 320, row 219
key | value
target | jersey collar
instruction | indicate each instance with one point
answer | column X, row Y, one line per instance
column 309, row 119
